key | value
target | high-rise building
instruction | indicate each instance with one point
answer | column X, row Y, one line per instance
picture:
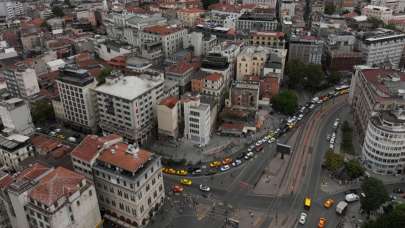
column 16, row 117
column 197, row 121
column 78, row 100
column 129, row 184
column 126, row 105
column 22, row 81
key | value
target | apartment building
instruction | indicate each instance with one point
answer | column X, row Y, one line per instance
column 275, row 64
column 245, row 95
column 250, row 61
column 374, row 90
column 383, row 149
column 189, row 16
column 11, row 9
column 307, row 49
column 75, row 90
column 168, row 117
column 213, row 85
column 267, row 39
column 126, row 105
column 202, row 43
column 287, row 8
column 266, row 3
column 62, row 199
column 22, row 81
column 395, row 5
column 197, row 120
column 110, row 49
column 181, row 73
column 129, row 184
column 16, row 116
column 85, row 154
column 381, row 46
column 171, row 37
column 256, row 21
column 381, row 12
column 14, row 149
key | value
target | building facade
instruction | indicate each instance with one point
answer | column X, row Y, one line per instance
column 197, row 121
column 22, row 81
column 307, row 49
column 16, row 116
column 13, row 150
column 245, row 95
column 250, row 61
column 168, row 117
column 260, row 22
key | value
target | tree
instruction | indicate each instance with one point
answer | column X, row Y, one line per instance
column 207, row 3
column 42, row 111
column 390, row 26
column 103, row 74
column 334, row 78
column 330, row 9
column 376, row 194
column 392, row 219
column 375, row 22
column 347, row 137
column 295, row 72
column 285, row 102
column 309, row 76
column 58, row 11
column 333, row 161
column 354, row 169
column 313, row 77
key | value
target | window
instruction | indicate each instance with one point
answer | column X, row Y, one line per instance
column 78, row 203
column 90, row 193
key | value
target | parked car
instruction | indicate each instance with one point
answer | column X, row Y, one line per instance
column 351, row 197
column 328, row 203
column 225, row 168
column 303, row 218
column 177, row 188
column 215, row 164
column 237, row 162
column 186, row 181
column 322, row 222
column 204, row 188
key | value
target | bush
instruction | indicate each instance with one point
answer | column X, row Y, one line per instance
column 333, row 161
column 354, row 169
column 285, row 102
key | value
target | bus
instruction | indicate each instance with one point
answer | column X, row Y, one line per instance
column 307, row 203
column 342, row 88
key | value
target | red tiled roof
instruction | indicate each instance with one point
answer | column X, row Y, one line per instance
column 233, row 126
column 224, row 7
column 213, row 77
column 179, row 68
column 269, row 34
column 6, row 181
column 44, row 143
column 170, row 102
column 191, row 10
column 134, row 9
column 33, row 172
column 117, row 155
column 161, row 30
column 37, row 21
column 89, row 146
column 58, row 183
column 375, row 76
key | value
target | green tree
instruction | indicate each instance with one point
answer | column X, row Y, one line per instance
column 334, row 78
column 347, row 137
column 206, row 3
column 375, row 22
column 392, row 219
column 295, row 72
column 333, row 161
column 390, row 26
column 330, row 9
column 103, row 74
column 301, row 75
column 58, row 11
column 285, row 102
column 376, row 194
column 313, row 77
column 354, row 169
column 42, row 111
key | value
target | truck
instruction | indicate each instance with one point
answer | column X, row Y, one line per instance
column 341, row 207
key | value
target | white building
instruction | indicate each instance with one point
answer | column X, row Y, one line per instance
column 75, row 91
column 266, row 3
column 250, row 61
column 22, row 81
column 197, row 122
column 63, row 199
column 287, row 8
column 395, row 5
column 129, row 184
column 383, row 148
column 126, row 105
column 201, row 43
column 381, row 12
column 168, row 116
column 171, row 37
column 381, row 46
column 7, row 52
column 108, row 50
column 16, row 117
column 11, row 9
column 14, row 149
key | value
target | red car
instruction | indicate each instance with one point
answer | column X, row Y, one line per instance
column 177, row 188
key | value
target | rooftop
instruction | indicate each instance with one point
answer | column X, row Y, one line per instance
column 191, row 10
column 74, row 75
column 387, row 83
column 162, row 30
column 125, row 156
column 59, row 183
column 129, row 87
column 90, row 145
column 213, row 77
column 170, row 102
column 179, row 68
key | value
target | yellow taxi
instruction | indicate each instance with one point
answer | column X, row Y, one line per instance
column 181, row 172
column 322, row 222
column 328, row 203
column 307, row 203
column 215, row 164
column 186, row 181
column 227, row 161
column 171, row 171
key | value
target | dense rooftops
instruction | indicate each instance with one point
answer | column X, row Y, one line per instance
column 73, row 75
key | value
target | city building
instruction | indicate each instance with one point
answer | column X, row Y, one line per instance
column 7, row 52
column 307, row 49
column 374, row 90
column 58, row 110
column 32, row 38
column 383, row 151
column 380, row 12
column 62, row 199
column 129, row 184
column 245, row 95
column 275, row 64
column 250, row 61
column 85, row 154
column 395, row 5
column 126, row 105
column 287, row 8
column 213, row 85
column 189, row 16
column 256, row 21
column 171, row 37
column 13, row 150
column 265, row 3
column 110, row 49
column 340, row 54
column 197, row 120
column 215, row 62
column 267, row 39
column 11, row 9
column 180, row 73
column 223, row 15
column 22, row 81
column 75, row 90
column 201, row 43
column 381, row 46
column 16, row 116
column 5, row 181
column 168, row 117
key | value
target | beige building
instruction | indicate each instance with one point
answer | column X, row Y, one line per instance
column 129, row 184
column 250, row 61
column 171, row 37
column 189, row 16
column 167, row 114
column 268, row 39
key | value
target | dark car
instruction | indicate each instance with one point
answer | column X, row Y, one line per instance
column 240, row 156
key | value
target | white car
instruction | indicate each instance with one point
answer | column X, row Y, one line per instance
column 331, row 146
column 57, row 130
column 236, row 162
column 225, row 168
column 300, row 117
column 312, row 106
column 204, row 188
column 303, row 218
column 351, row 197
